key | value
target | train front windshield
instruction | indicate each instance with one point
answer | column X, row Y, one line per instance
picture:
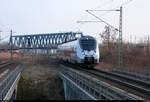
column 88, row 44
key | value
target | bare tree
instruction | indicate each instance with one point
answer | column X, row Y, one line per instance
column 108, row 37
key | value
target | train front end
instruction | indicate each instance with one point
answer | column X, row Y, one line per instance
column 89, row 50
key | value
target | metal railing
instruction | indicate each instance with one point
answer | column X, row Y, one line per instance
column 96, row 88
column 6, row 84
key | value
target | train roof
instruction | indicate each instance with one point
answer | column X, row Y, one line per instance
column 87, row 37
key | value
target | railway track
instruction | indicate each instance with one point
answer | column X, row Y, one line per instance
column 131, row 85
column 5, row 68
column 137, row 87
column 4, row 64
column 139, row 76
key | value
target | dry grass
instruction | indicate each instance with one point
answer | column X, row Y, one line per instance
column 134, row 57
column 40, row 80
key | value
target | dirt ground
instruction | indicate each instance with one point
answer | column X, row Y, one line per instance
column 40, row 81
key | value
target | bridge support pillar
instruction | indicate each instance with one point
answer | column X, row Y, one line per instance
column 12, row 92
column 73, row 92
column 65, row 91
column 14, row 95
column 70, row 92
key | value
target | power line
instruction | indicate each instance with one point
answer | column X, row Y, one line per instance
column 102, row 20
column 104, row 4
column 107, row 11
column 88, row 21
column 127, row 2
column 4, row 37
column 5, row 27
column 120, row 47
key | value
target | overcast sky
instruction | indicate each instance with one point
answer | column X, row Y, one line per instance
column 44, row 16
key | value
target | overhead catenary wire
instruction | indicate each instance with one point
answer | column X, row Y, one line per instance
column 104, row 4
column 99, row 6
column 5, row 28
column 105, row 11
column 88, row 21
column 102, row 20
column 111, row 9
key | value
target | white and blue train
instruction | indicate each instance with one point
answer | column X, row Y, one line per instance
column 84, row 50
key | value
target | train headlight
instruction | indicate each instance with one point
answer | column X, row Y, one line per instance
column 83, row 53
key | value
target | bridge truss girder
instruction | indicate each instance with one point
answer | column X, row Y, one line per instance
column 43, row 41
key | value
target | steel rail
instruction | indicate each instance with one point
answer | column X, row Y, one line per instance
column 2, row 65
column 136, row 85
column 139, row 76
column 88, row 72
